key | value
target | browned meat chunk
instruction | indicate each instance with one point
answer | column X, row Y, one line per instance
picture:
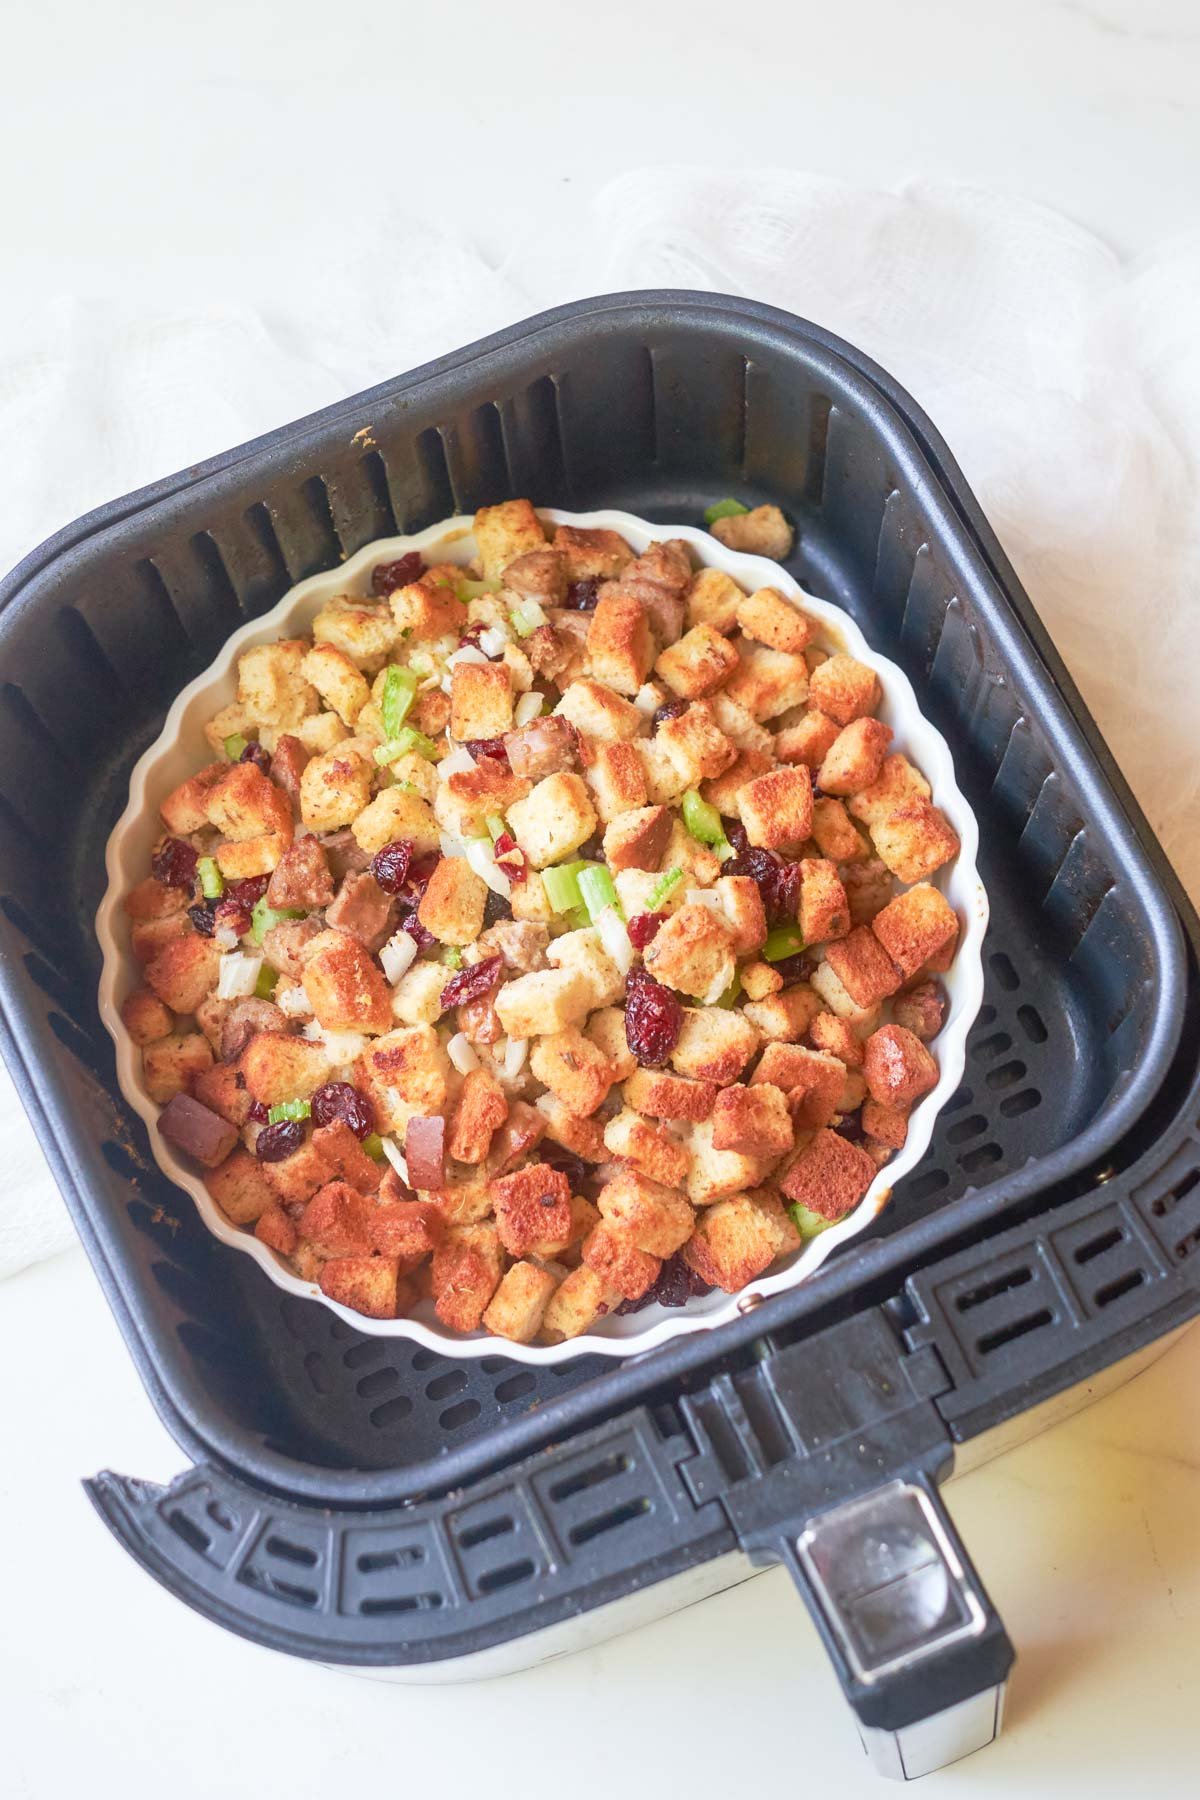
column 241, row 1023
column 363, row 909
column 197, row 1130
column 288, row 765
column 542, row 748
column 301, row 877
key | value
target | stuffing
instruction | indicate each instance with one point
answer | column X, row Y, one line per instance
column 185, row 808
column 596, row 712
column 920, row 1011
column 409, row 1229
column 481, row 700
column 855, row 757
column 345, row 986
column 572, row 1067
column 318, row 733
column 606, row 1029
column 829, row 1176
column 591, row 554
column 462, row 1202
column 579, row 1300
column 278, row 1067
column 773, row 619
column 844, row 688
column 617, row 780
column 759, row 980
column 915, row 840
column 149, row 937
column 245, row 803
column 753, row 1119
column 763, row 531
column 695, row 743
column 692, row 951
column 736, row 1240
column 654, row 1219
column 583, row 953
column 582, row 1137
column 145, row 1017
column 272, row 686
column 715, row 1173
column 275, row 1229
column 221, row 1087
column 697, row 664
column 337, row 1221
column 808, row 741
column 863, row 967
column 531, row 1204
column 452, row 905
column 394, row 814
column 341, row 685
column 700, row 864
column 540, row 1004
column 897, row 1066
column 504, row 532
column 183, row 971
column 915, row 926
column 240, row 1188
column 516, row 1309
column 425, row 612
column 346, row 1158
column 648, row 1147
column 463, row 802
column 713, row 599
column 886, row 1124
column 371, row 1285
column 151, row 899
column 776, row 809
column 638, row 839
column 539, row 575
column 896, row 785
column 740, row 726
column 834, row 832
column 334, row 789
column 722, row 790
column 785, row 1016
column 812, row 1081
column 664, row 780
column 741, row 903
column 284, row 946
column 835, row 1037
column 366, row 633
column 619, row 1263
column 417, row 996
column 868, row 887
column 403, row 1073
column 476, row 1116
column 301, row 878
column 252, row 856
column 824, row 909
column 828, row 986
column 170, row 1065
column 767, row 682
column 714, row 1044
column 620, row 649
column 554, row 819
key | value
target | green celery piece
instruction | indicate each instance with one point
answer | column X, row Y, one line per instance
column 784, row 941
column 702, row 820
column 665, row 885
column 373, row 1145
column 399, row 692
column 473, row 590
column 234, row 746
column 495, row 825
column 451, row 956
column 409, row 738
column 579, row 918
column 723, row 509
column 808, row 1223
column 212, row 882
column 264, row 987
column 729, row 997
column 288, row 1109
column 562, row 886
column 596, row 889
column 521, row 623
column 263, row 918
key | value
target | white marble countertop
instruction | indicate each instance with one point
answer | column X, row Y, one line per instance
column 134, row 125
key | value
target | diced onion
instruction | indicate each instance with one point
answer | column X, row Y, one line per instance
column 395, row 1156
column 714, row 993
column 226, row 936
column 493, row 641
column 515, row 1052
column 482, row 859
column 647, row 700
column 708, row 898
column 528, row 708
column 459, row 762
column 341, row 1047
column 451, row 845
column 528, row 617
column 397, row 955
column 238, row 975
column 462, row 1053
column 294, row 1002
column 467, row 654
column 615, row 939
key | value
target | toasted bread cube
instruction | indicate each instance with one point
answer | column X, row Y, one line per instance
column 465, row 1274
column 504, row 532
column 371, row 1285
column 583, row 954
column 855, row 757
column 251, row 856
column 921, row 1011
column 868, row 886
column 477, row 1115
column 754, row 1119
column 620, row 649
column 714, row 1044
column 648, row 1147
column 854, row 1092
column 392, row 815
column 148, row 938
column 347, row 1159
column 830, row 1176
column 915, row 840
column 808, row 741
column 463, row 1202
column 240, row 1188
column 606, row 1029
column 584, row 1219
column 617, row 780
column 664, row 779
column 532, row 1204
column 462, row 802
column 737, row 1240
column 715, row 1173
column 417, row 996
column 246, row 804
column 145, row 1017
column 320, row 732
column 834, row 832
column 184, row 970
column 742, row 906
column 776, row 808
column 824, row 909
column 698, row 663
column 277, row 1231
column 579, row 1300
column 828, row 986
column 761, row 532
column 516, row 1308
column 863, row 967
column 583, row 1137
column 408, row 1229
column 767, row 682
column 539, row 1004
column 844, row 688
column 695, row 744
column 597, row 712
column 334, row 789
column 573, row 1068
column 279, row 1067
column 619, row 1263
column 897, row 1066
column 836, row 1038
column 760, row 980
column 405, row 1073
column 722, row 790
column 713, row 599
column 221, row 1087
column 898, row 784
column 638, row 840
column 915, row 926
column 654, row 1219
column 152, row 899
column 341, row 685
column 185, row 808
column 592, row 553
column 231, row 721
column 453, row 903
column 886, row 1124
column 272, row 686
column 553, row 820
column 740, row 726
column 776, row 620
column 345, row 985
column 296, row 1178
column 813, row 1082
column 426, row 611
column 481, row 700
column 661, row 1095
column 692, row 951
column 365, row 632
column 699, row 863
column 170, row 1064
column 785, row 1016
column 337, row 1220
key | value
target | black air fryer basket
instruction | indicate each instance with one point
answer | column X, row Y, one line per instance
column 364, row 1501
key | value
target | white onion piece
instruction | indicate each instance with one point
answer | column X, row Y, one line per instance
column 294, row 1002
column 226, row 937
column 482, row 859
column 341, row 1047
column 467, row 654
column 398, row 955
column 531, row 614
column 461, row 1053
column 714, row 993
column 710, row 900
column 238, row 975
column 395, row 1156
column 515, row 1052
column 647, row 701
column 459, row 762
column 493, row 641
column 451, row 845
column 527, row 709
column 615, row 939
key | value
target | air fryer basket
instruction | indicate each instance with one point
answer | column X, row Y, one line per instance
column 1046, row 1233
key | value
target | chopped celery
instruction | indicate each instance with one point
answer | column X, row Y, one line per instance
column 288, row 1109
column 702, row 820
column 263, row 918
column 399, row 692
column 495, row 825
column 409, row 738
column 578, row 918
column 373, row 1145
column 212, row 882
column 264, row 987
column 808, row 1223
column 723, row 509
column 235, row 746
column 785, row 940
column 562, row 886
column 731, row 992
column 665, row 885
column 473, row 590
column 596, row 889
column 526, row 618
column 451, row 956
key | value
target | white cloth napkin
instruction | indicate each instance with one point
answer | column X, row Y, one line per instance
column 1066, row 382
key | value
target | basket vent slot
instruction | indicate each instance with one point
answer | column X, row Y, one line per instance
column 483, row 1533
column 405, row 1556
column 508, row 1575
column 1007, row 1075
column 1019, row 1328
column 286, row 1551
column 1032, row 1024
column 1016, row 1104
column 377, row 1382
column 442, row 1386
column 375, row 1605
column 990, row 1290
column 1096, row 1246
column 264, row 1582
column 1118, row 1288
column 608, row 1470
column 515, row 1387
column 189, row 1531
column 461, row 1413
column 390, row 1412
column 604, row 1522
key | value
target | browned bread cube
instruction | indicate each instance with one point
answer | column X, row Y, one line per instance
column 516, row 1308
column 697, row 664
column 579, row 1300
column 776, row 809
column 824, row 909
column 834, row 832
column 240, row 1188
column 767, row 682
column 695, row 743
column 786, row 1015
column 477, row 1115
column 277, row 1231
column 296, row 1178
column 619, row 1263
column 915, row 840
column 713, row 599
column 648, row 1147
column 620, row 648
column 337, row 1220
column 465, row 1274
column 152, row 899
column 714, row 1044
column 808, row 741
column 347, row 1159
column 738, row 1239
column 863, row 967
column 334, row 789
column 183, row 971
column 835, row 1037
column 597, row 712
column 370, row 1285
column 638, row 840
column 453, row 903
column 584, row 1137
column 830, row 1176
column 813, row 1082
column 855, row 757
column 245, row 803
column 897, row 784
column 773, row 619
column 741, row 903
column 403, row 1073
column 661, row 1095
column 148, row 937
column 722, row 790
column 145, row 1017
column 915, row 926
column 592, row 553
column 426, row 610
column 573, row 1068
column 504, row 532
column 279, row 1067
column 345, row 986
column 222, row 1087
column 844, row 688
column 407, row 1229
column 616, row 778
column 481, row 700
column 653, row 1218
column 185, row 808
column 898, row 1067
column 531, row 1204
column 754, row 1119
column 763, row 531
column 920, row 1011
column 886, row 1124
column 693, row 952
column 760, row 979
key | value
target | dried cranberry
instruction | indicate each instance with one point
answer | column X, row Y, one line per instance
column 202, row 917
column 670, row 709
column 386, row 577
column 231, row 915
column 424, row 940
column 472, row 634
column 506, row 843
column 496, row 908
column 572, row 1166
column 642, row 928
column 851, row 1128
column 796, row 968
column 582, row 595
column 254, row 753
column 274, row 1142
column 476, row 979
column 735, row 831
column 653, row 1018
column 778, row 881
column 418, row 876
column 678, row 1283
column 342, row 1100
column 258, row 1114
column 389, row 866
column 510, row 857
column 174, row 864
column 493, row 747
column 249, row 891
